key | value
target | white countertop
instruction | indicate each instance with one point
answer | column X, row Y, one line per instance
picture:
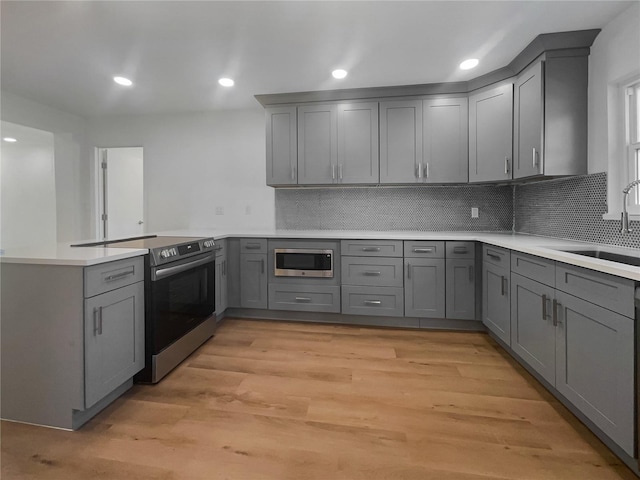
column 548, row 247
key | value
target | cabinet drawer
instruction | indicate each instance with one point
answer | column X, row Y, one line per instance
column 536, row 268
column 423, row 249
column 460, row 249
column 386, row 301
column 372, row 271
column 305, row 298
column 253, row 245
column 372, row 248
column 221, row 247
column 608, row 291
column 496, row 256
column 109, row 276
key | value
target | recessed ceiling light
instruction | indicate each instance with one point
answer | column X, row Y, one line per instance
column 469, row 64
column 339, row 73
column 226, row 82
column 9, row 139
column 125, row 82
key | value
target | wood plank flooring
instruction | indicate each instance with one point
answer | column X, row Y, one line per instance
column 280, row 400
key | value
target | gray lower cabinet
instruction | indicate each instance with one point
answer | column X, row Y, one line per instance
column 496, row 303
column 304, row 298
column 424, row 287
column 282, row 146
column 491, row 134
column 113, row 340
column 461, row 288
column 253, row 280
column 594, row 365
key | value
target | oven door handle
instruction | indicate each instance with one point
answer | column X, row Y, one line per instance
column 161, row 273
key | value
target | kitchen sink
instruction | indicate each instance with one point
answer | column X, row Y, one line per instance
column 610, row 256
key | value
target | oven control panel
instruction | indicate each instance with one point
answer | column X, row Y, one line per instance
column 168, row 253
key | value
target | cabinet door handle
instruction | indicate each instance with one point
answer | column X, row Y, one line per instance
column 471, row 273
column 224, row 268
column 371, row 273
column 503, row 288
column 535, row 157
column 333, row 172
column 409, row 271
column 262, row 265
column 556, row 307
column 506, row 165
column 372, row 302
column 340, row 171
column 370, row 249
column 544, row 307
column 426, row 170
column 303, row 299
column 423, row 250
column 420, row 170
column 293, row 172
column 118, row 276
column 97, row 321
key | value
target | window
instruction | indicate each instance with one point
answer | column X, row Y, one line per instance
column 632, row 141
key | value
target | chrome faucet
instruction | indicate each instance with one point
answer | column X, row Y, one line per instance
column 624, row 221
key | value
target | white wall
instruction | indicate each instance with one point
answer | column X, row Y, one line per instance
column 71, row 169
column 615, row 55
column 195, row 163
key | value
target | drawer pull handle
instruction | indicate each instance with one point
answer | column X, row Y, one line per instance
column 372, row 302
column 494, row 256
column 118, row 276
column 252, row 246
column 370, row 249
column 372, row 274
column 303, row 299
column 423, row 250
column 460, row 250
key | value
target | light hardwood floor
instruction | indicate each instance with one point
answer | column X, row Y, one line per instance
column 274, row 400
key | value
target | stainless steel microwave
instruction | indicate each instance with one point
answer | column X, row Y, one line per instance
column 303, row 262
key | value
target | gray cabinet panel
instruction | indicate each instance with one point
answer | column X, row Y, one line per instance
column 253, row 280
column 305, row 298
column 282, row 146
column 317, row 144
column 423, row 249
column 496, row 301
column 500, row 257
column 532, row 330
column 401, row 141
column 595, row 365
column 386, row 301
column 358, row 155
column 491, row 134
column 111, row 275
column 539, row 269
column 372, row 271
column 608, row 291
column 460, row 250
column 528, row 126
column 372, row 248
column 253, row 245
column 113, row 340
column 446, row 133
column 424, row 288
column 460, row 289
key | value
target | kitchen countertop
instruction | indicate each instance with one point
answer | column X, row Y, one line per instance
column 548, row 247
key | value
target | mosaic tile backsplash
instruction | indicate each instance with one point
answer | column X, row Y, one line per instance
column 570, row 208
column 428, row 208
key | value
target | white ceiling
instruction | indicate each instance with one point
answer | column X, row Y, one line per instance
column 64, row 54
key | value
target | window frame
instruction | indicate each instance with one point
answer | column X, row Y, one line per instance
column 631, row 95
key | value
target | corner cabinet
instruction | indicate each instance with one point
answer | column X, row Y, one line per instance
column 282, row 146
column 550, row 117
column 491, row 134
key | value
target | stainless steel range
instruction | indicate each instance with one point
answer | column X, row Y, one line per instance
column 179, row 299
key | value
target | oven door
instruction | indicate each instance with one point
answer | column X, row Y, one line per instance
column 181, row 298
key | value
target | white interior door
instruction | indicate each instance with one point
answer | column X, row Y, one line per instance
column 122, row 189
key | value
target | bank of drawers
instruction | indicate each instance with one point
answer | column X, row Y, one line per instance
column 372, row 278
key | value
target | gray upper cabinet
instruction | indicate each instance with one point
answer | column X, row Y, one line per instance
column 445, row 140
column 282, row 146
column 317, row 144
column 550, row 117
column 491, row 134
column 358, row 155
column 401, row 141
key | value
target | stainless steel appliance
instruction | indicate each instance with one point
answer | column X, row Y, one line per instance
column 303, row 262
column 179, row 299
